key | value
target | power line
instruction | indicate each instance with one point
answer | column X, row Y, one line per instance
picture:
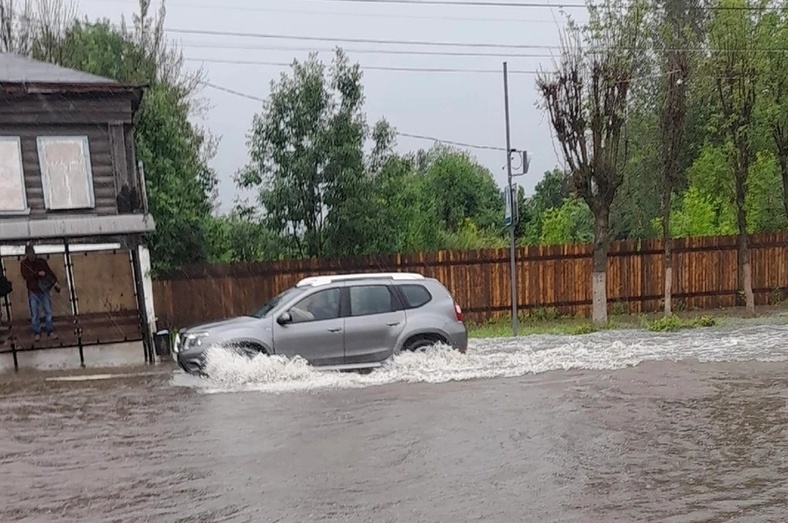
column 514, row 4
column 201, row 45
column 366, row 67
column 425, row 43
column 257, row 9
column 438, row 3
column 405, row 135
column 208, row 32
column 450, row 142
column 547, row 5
column 188, row 45
column 233, row 91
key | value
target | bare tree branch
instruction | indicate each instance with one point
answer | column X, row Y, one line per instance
column 586, row 99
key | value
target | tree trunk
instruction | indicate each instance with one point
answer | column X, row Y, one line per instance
column 599, row 281
column 745, row 271
column 784, row 172
column 667, row 242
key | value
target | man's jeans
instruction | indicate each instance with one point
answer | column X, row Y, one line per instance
column 38, row 300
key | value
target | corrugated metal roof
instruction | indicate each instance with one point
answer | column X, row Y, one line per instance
column 19, row 69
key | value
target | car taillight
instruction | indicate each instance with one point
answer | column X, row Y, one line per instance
column 458, row 311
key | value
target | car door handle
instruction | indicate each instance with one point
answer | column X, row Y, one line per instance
column 338, row 329
column 393, row 323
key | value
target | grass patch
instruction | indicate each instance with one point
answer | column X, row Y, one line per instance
column 528, row 327
column 674, row 323
column 585, row 328
column 566, row 326
column 706, row 321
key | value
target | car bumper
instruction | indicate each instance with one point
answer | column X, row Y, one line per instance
column 458, row 336
column 191, row 365
column 192, row 361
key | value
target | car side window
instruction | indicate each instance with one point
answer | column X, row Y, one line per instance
column 322, row 305
column 370, row 299
column 415, row 295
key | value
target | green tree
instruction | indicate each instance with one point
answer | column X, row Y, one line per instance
column 733, row 65
column 403, row 210
column 764, row 204
column 549, row 193
column 774, row 72
column 572, row 222
column 698, row 214
column 241, row 236
column 462, row 189
column 677, row 30
column 307, row 159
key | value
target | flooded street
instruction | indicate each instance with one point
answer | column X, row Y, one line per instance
column 613, row 426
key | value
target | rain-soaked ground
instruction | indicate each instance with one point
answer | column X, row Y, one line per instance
column 614, row 426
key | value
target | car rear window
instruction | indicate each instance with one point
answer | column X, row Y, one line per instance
column 415, row 295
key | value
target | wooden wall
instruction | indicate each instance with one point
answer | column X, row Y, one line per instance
column 548, row 277
column 105, row 120
column 104, row 176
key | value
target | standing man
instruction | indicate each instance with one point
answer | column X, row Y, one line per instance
column 6, row 287
column 40, row 280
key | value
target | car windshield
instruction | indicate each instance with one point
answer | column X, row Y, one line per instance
column 268, row 307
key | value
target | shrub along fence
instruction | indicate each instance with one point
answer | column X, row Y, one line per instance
column 549, row 277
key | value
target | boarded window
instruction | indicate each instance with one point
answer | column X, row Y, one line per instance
column 12, row 176
column 66, row 172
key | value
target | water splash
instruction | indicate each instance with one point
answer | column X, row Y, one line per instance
column 498, row 358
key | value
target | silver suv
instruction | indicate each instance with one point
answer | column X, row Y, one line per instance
column 343, row 322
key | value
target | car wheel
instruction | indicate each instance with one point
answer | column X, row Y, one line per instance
column 420, row 344
column 248, row 350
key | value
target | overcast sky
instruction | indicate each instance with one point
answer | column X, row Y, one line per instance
column 460, row 106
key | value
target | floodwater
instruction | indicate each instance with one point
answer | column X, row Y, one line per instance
column 615, row 426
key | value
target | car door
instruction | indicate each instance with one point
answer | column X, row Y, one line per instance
column 316, row 329
column 374, row 322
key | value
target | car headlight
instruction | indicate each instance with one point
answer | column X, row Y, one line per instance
column 195, row 339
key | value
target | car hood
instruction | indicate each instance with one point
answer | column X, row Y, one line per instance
column 221, row 325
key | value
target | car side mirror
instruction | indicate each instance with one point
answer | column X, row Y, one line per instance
column 284, row 318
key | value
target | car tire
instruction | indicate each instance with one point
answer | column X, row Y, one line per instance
column 420, row 344
column 248, row 350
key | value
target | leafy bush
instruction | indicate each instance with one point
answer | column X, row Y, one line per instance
column 585, row 328
column 674, row 323
column 666, row 324
column 705, row 321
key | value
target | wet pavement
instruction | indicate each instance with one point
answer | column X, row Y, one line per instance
column 690, row 426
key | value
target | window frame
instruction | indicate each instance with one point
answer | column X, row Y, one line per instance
column 25, row 210
column 340, row 307
column 41, row 142
column 396, row 302
column 404, row 299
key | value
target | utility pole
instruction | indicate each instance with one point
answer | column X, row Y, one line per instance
column 511, row 197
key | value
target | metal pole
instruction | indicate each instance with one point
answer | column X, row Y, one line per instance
column 512, row 252
column 72, row 293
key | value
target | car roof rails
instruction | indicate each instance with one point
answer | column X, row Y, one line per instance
column 314, row 281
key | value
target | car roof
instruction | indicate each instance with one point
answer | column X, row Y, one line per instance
column 316, row 281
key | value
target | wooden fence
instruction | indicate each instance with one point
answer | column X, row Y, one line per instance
column 705, row 274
